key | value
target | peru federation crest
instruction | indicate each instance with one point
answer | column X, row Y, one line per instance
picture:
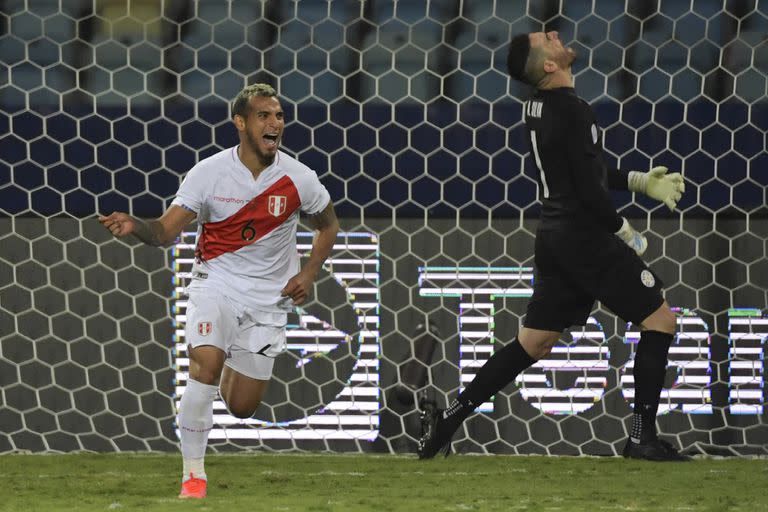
column 204, row 328
column 276, row 205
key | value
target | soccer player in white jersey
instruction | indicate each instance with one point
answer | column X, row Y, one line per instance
column 246, row 275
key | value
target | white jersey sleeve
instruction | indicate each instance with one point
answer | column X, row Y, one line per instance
column 191, row 193
column 314, row 196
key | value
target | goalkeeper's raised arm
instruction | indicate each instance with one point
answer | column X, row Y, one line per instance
column 655, row 183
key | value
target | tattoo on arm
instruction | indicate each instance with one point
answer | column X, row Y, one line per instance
column 324, row 218
column 149, row 231
column 328, row 226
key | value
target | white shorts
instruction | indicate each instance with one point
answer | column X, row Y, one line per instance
column 250, row 338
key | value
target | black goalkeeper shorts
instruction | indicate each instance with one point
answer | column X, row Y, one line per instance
column 575, row 268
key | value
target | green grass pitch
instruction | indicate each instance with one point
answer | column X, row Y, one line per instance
column 328, row 482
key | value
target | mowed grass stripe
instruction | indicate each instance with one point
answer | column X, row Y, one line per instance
column 330, row 482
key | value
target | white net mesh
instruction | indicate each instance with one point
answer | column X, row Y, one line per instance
column 405, row 111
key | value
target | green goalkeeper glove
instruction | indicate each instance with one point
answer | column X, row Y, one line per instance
column 632, row 238
column 657, row 184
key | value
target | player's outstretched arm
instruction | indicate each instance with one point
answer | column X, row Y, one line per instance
column 657, row 184
column 327, row 226
column 157, row 232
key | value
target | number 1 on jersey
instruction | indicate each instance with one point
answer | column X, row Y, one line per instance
column 535, row 149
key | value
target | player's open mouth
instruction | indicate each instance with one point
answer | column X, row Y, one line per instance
column 271, row 139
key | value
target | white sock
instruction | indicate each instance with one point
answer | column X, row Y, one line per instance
column 195, row 421
column 193, row 467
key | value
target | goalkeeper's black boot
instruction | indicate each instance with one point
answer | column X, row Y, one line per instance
column 656, row 450
column 436, row 433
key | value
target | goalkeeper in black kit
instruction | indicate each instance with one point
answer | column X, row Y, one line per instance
column 584, row 251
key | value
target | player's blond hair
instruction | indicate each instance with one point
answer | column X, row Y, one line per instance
column 241, row 105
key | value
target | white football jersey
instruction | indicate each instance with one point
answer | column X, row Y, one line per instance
column 246, row 237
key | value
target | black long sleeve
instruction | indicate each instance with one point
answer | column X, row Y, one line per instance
column 589, row 173
column 618, row 179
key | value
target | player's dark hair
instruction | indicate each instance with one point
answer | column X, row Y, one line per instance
column 517, row 57
column 241, row 106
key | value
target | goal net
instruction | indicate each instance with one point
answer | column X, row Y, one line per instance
column 405, row 111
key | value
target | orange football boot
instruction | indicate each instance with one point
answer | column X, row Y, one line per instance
column 193, row 488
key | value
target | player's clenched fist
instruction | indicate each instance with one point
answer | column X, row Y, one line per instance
column 118, row 223
column 298, row 288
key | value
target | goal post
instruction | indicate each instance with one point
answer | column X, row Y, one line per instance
column 405, row 110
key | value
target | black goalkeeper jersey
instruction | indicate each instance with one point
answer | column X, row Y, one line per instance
column 567, row 150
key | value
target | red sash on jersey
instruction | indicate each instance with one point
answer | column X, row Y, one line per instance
column 252, row 222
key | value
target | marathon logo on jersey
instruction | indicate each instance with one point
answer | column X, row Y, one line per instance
column 204, row 328
column 277, row 205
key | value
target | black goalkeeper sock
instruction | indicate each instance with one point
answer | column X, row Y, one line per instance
column 649, row 371
column 497, row 372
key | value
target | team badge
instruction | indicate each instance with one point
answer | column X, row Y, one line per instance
column 647, row 278
column 204, row 328
column 277, row 205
